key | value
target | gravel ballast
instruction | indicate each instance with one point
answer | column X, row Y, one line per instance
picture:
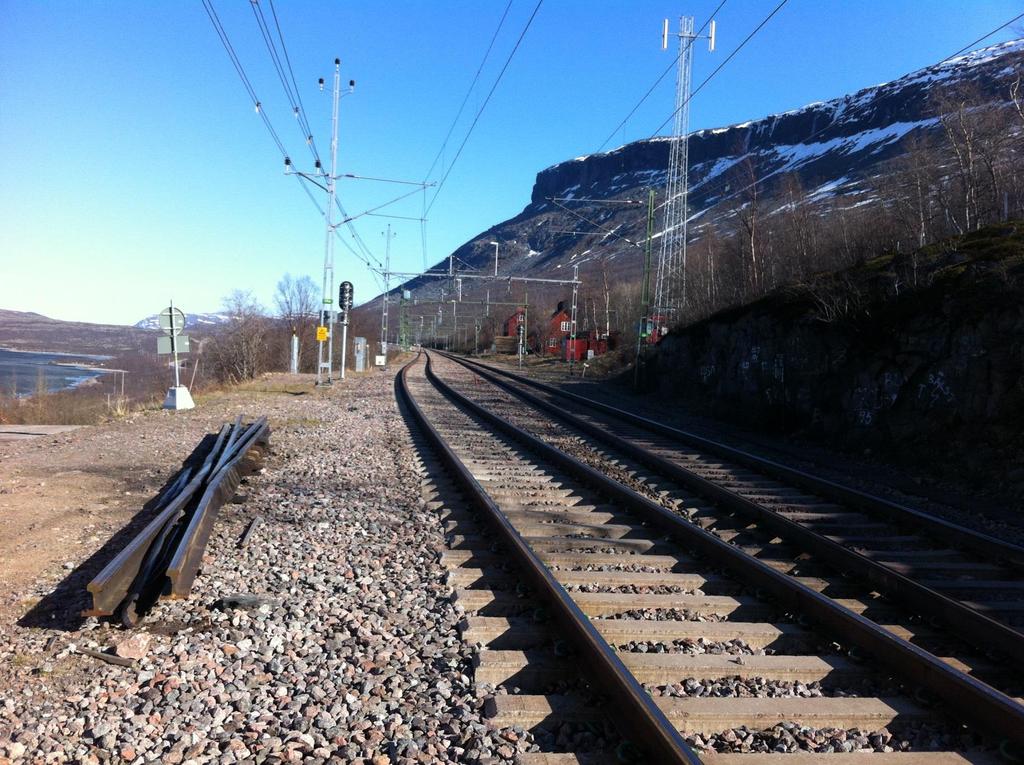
column 351, row 653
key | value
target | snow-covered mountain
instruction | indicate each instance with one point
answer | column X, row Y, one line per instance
column 193, row 321
column 831, row 144
column 837, row 148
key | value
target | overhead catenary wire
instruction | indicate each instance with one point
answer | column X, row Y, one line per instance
column 350, row 218
column 275, row 59
column 366, row 255
column 603, row 229
column 483, row 106
column 355, row 233
column 472, row 85
column 298, row 94
column 240, row 70
column 657, row 82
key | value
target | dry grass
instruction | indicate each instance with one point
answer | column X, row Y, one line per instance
column 72, row 407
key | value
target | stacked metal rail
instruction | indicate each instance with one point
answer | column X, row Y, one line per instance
column 163, row 559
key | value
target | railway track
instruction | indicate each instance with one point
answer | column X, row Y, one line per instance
column 609, row 592
column 960, row 576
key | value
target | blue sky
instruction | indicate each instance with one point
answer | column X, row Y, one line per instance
column 138, row 170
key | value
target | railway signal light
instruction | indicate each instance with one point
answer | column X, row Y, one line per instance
column 345, row 292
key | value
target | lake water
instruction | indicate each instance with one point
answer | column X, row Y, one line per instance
column 20, row 371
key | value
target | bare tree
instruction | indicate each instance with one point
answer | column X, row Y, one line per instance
column 910, row 186
column 296, row 301
column 1016, row 97
column 980, row 139
column 607, row 300
column 798, row 228
column 239, row 351
column 746, row 208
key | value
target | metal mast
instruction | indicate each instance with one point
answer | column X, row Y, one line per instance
column 403, row 320
column 670, row 281
column 325, row 360
column 386, row 300
column 572, row 317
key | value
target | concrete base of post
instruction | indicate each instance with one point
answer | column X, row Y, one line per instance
column 178, row 398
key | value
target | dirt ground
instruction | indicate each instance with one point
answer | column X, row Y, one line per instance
column 68, row 501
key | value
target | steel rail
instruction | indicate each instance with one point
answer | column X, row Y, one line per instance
column 975, row 627
column 973, row 700
column 120, row 579
column 162, row 560
column 148, row 583
column 950, row 532
column 184, row 564
column 650, row 728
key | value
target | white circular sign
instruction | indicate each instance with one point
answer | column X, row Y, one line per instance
column 172, row 320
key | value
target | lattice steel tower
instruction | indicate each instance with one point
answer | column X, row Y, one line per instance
column 670, row 279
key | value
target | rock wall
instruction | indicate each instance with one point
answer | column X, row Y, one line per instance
column 933, row 373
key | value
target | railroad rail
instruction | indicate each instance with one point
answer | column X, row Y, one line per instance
column 162, row 560
column 621, row 565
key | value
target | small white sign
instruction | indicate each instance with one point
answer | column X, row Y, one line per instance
column 380, row 360
column 181, row 342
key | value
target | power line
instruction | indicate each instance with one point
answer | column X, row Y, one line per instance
column 229, row 48
column 275, row 58
column 983, row 37
column 728, row 58
column 298, row 94
column 366, row 256
column 658, row 81
column 480, row 111
column 472, row 85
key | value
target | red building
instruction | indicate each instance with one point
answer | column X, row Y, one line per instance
column 558, row 332
column 512, row 322
column 558, row 340
column 580, row 349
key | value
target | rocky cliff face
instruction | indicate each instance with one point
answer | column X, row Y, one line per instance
column 921, row 356
column 834, row 144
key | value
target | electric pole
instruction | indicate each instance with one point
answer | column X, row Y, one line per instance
column 325, row 360
column 384, row 307
column 325, row 331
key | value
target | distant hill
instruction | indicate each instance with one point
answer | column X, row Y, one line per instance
column 27, row 331
column 194, row 321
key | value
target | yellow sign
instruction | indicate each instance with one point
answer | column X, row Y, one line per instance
column 321, row 334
